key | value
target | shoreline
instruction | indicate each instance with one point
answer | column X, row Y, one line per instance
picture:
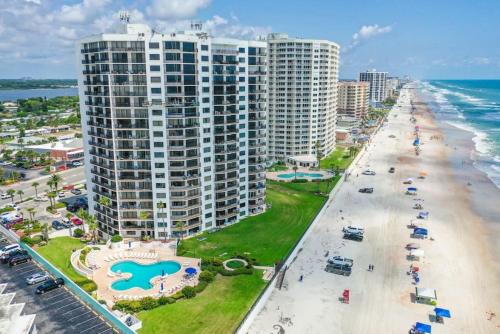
column 459, row 262
column 483, row 192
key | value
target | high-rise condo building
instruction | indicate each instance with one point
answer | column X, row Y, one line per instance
column 377, row 82
column 353, row 99
column 174, row 130
column 302, row 97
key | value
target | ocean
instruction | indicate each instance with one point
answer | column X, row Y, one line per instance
column 14, row 94
column 473, row 106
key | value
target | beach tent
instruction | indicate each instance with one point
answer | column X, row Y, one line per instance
column 442, row 312
column 423, row 215
column 425, row 295
column 420, row 231
column 416, row 253
column 416, row 142
column 422, row 328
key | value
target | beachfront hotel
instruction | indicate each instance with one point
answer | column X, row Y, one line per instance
column 377, row 82
column 353, row 102
column 302, row 98
column 174, row 130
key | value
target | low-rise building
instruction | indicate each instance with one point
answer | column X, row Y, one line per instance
column 63, row 150
column 10, row 106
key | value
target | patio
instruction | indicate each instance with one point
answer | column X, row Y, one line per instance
column 144, row 253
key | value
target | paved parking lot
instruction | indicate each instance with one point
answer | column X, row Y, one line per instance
column 57, row 311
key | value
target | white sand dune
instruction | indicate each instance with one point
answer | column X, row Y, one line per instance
column 458, row 263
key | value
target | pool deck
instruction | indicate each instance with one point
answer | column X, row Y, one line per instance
column 104, row 277
column 274, row 175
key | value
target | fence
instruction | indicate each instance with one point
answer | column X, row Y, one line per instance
column 77, row 291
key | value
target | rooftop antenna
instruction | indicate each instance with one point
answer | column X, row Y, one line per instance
column 196, row 25
column 124, row 16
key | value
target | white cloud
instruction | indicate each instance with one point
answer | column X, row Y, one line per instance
column 175, row 9
column 480, row 61
column 365, row 33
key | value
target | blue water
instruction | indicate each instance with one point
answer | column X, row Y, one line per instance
column 14, row 94
column 299, row 174
column 474, row 106
column 141, row 273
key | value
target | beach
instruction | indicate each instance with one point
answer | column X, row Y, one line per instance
column 459, row 260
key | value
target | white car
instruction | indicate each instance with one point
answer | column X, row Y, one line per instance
column 369, row 172
column 41, row 199
column 37, row 278
column 61, row 194
column 13, row 206
column 353, row 229
column 7, row 249
column 340, row 260
column 5, row 196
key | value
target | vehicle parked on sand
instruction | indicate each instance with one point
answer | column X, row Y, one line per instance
column 368, row 172
column 340, row 260
column 50, row 284
column 392, row 170
column 366, row 190
column 338, row 269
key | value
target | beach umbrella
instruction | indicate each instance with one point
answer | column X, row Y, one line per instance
column 163, row 272
column 161, row 287
column 442, row 312
column 190, row 271
column 422, row 328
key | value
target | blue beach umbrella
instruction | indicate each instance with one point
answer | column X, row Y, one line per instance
column 163, row 272
column 423, row 328
column 190, row 271
column 161, row 286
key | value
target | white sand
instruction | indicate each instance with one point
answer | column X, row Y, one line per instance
column 458, row 264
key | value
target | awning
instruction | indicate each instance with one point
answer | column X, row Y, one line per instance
column 442, row 312
column 426, row 293
column 412, row 189
column 419, row 230
column 417, row 253
column 422, row 328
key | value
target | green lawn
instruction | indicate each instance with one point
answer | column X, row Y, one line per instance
column 218, row 309
column 58, row 252
column 267, row 237
column 339, row 158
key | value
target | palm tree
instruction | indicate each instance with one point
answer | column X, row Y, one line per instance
column 11, row 192
column 20, row 193
column 14, row 176
column 181, row 225
column 144, row 215
column 105, row 201
column 52, row 195
column 31, row 212
column 161, row 205
column 295, row 170
column 318, row 152
column 50, row 184
column 35, row 185
column 92, row 222
column 55, row 178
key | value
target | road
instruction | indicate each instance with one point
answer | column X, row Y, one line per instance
column 70, row 176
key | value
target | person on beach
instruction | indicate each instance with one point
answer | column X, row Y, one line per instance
column 301, row 278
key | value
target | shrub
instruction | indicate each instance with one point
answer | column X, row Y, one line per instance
column 201, row 286
column 27, row 240
column 206, row 276
column 116, row 238
column 42, row 243
column 86, row 284
column 299, row 181
column 188, row 292
column 178, row 295
column 102, row 301
column 148, row 303
column 6, row 209
column 163, row 300
column 78, row 233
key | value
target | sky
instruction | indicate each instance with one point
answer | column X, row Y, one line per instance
column 426, row 39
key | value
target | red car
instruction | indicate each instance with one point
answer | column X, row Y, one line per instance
column 75, row 220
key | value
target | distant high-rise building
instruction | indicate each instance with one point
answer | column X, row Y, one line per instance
column 393, row 84
column 353, row 99
column 174, row 130
column 377, row 82
column 302, row 91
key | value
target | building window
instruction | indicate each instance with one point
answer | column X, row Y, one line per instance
column 157, row 134
column 241, row 50
column 155, row 79
column 157, row 123
column 158, row 144
column 154, row 45
column 155, row 90
column 205, row 68
column 154, row 68
column 160, row 185
column 159, row 165
column 204, row 58
column 157, row 113
column 154, row 56
column 159, row 155
column 205, row 79
column 204, row 47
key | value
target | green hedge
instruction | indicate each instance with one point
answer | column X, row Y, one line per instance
column 299, row 181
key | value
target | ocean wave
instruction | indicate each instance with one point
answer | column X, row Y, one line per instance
column 480, row 139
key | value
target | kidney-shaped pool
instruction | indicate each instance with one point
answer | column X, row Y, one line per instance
column 141, row 273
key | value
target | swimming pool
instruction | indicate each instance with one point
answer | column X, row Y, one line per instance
column 300, row 174
column 141, row 273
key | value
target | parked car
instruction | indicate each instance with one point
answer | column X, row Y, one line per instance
column 57, row 225
column 37, row 278
column 19, row 259
column 13, row 206
column 368, row 172
column 77, row 163
column 338, row 269
column 8, row 248
column 76, row 191
column 41, row 199
column 5, row 196
column 13, row 253
column 49, row 284
column 66, row 222
column 392, row 170
column 366, row 190
column 76, row 221
column 340, row 260
column 353, row 236
column 61, row 194
column 353, row 229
